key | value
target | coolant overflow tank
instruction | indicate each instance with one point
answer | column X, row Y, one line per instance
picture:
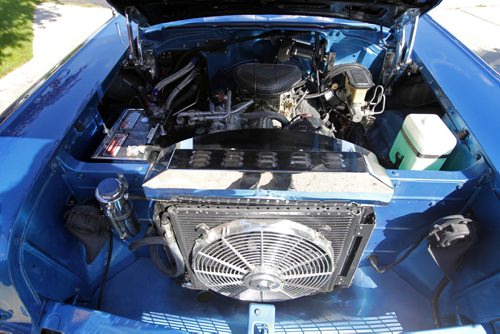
column 424, row 142
column 112, row 196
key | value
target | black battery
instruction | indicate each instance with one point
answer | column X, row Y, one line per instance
column 131, row 138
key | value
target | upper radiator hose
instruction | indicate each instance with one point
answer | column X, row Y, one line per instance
column 173, row 77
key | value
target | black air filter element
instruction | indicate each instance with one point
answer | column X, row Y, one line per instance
column 267, row 79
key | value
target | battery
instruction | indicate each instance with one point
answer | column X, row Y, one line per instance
column 130, row 138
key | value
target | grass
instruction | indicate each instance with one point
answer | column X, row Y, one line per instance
column 16, row 33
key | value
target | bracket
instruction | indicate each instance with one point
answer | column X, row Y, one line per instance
column 261, row 318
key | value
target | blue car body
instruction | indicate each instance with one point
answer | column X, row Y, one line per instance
column 43, row 277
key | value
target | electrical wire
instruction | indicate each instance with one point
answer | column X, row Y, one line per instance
column 315, row 95
column 300, row 100
column 106, row 271
column 189, row 105
column 436, row 314
column 373, row 259
column 294, row 119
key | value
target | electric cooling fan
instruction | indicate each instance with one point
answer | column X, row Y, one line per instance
column 263, row 260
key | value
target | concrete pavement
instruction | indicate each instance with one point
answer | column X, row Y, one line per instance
column 476, row 23
column 100, row 3
column 58, row 30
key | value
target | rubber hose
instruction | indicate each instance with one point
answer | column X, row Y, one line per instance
column 106, row 271
column 185, row 97
column 267, row 114
column 159, row 264
column 175, row 254
column 177, row 75
column 435, row 301
column 146, row 241
column 178, row 89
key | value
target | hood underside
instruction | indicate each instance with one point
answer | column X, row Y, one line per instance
column 387, row 13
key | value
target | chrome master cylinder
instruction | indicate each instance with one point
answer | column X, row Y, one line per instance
column 112, row 195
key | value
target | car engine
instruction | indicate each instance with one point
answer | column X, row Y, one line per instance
column 246, row 168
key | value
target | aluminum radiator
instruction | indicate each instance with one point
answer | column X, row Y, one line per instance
column 346, row 227
column 268, row 215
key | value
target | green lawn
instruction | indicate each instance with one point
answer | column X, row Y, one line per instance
column 16, row 33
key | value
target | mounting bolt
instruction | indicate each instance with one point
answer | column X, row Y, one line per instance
column 202, row 228
column 257, row 312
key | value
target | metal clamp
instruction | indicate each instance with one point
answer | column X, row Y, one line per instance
column 261, row 318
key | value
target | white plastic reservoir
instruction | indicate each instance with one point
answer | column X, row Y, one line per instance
column 423, row 142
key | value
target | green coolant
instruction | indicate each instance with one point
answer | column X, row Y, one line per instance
column 423, row 143
column 401, row 151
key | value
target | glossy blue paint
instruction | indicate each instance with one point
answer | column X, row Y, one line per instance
column 367, row 305
column 71, row 319
column 29, row 137
column 41, row 266
column 470, row 86
column 469, row 89
column 470, row 329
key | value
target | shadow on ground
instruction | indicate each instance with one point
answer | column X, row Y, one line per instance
column 44, row 15
column 85, row 3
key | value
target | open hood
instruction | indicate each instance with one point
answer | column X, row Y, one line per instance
column 388, row 13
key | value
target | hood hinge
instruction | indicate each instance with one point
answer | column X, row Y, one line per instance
column 399, row 55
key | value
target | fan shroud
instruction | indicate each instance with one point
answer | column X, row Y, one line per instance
column 263, row 260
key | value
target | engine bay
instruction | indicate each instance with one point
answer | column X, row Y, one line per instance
column 290, row 125
column 221, row 166
column 222, row 129
column 296, row 85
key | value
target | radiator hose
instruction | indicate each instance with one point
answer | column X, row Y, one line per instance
column 153, row 240
column 267, row 115
column 187, row 80
column 175, row 76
